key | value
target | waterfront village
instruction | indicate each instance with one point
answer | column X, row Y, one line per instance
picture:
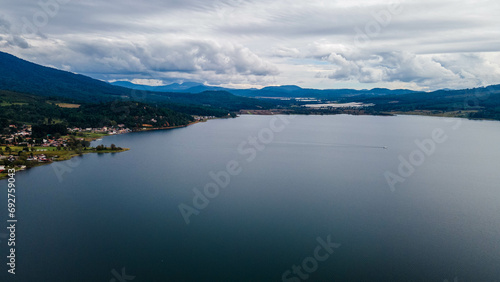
column 19, row 149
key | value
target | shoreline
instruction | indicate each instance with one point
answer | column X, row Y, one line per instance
column 451, row 114
column 69, row 156
column 72, row 154
column 159, row 128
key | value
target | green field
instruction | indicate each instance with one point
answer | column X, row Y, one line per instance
column 90, row 136
column 16, row 149
column 6, row 104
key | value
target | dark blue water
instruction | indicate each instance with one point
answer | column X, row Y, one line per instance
column 318, row 178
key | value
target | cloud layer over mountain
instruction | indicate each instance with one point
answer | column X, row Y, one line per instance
column 321, row 44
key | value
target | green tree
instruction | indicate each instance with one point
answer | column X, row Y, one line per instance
column 79, row 148
column 72, row 142
column 85, row 143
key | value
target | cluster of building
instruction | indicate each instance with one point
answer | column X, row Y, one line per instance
column 41, row 158
column 22, row 135
column 119, row 129
column 9, row 158
column 203, row 118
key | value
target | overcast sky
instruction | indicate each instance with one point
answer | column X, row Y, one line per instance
column 424, row 44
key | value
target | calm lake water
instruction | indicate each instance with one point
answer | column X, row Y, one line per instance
column 317, row 178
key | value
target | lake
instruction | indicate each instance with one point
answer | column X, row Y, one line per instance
column 269, row 198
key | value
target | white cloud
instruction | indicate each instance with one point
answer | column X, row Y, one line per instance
column 429, row 45
column 8, row 38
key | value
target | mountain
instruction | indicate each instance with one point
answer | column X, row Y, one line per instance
column 283, row 88
column 19, row 108
column 25, row 77
column 22, row 76
column 482, row 102
column 186, row 87
column 174, row 87
column 292, row 91
column 478, row 103
column 286, row 91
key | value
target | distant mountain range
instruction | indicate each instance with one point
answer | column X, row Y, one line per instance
column 25, row 77
column 286, row 91
column 22, row 76
column 186, row 87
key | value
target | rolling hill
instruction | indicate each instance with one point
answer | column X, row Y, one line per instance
column 194, row 98
column 288, row 91
column 25, row 77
